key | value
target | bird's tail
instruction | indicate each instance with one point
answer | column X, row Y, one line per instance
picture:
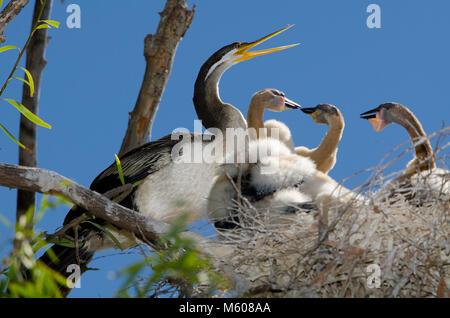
column 69, row 262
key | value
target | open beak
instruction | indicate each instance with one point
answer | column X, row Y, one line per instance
column 291, row 104
column 375, row 116
column 243, row 54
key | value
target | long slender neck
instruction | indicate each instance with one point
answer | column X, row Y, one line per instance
column 213, row 112
column 331, row 140
column 424, row 151
column 255, row 115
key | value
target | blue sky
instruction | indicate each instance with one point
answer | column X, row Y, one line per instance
column 94, row 74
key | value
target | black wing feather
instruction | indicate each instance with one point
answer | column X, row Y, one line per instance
column 136, row 165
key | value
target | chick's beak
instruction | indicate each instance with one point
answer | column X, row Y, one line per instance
column 291, row 104
column 312, row 111
column 309, row 110
column 242, row 53
column 375, row 116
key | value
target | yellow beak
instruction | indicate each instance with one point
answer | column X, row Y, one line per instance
column 243, row 54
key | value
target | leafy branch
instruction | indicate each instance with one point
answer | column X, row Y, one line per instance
column 176, row 267
column 42, row 281
column 39, row 24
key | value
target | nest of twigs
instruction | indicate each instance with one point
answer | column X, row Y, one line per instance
column 394, row 244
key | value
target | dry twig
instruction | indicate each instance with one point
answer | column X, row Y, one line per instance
column 9, row 13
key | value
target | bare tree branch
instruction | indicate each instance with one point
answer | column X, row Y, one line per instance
column 35, row 63
column 9, row 13
column 146, row 229
column 159, row 52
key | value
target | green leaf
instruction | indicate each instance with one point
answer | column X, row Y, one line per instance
column 111, row 236
column 62, row 241
column 39, row 244
column 8, row 47
column 138, row 183
column 1, row 2
column 119, row 169
column 12, row 137
column 28, row 114
column 52, row 23
column 30, row 80
column 26, row 82
column 22, row 79
column 42, row 26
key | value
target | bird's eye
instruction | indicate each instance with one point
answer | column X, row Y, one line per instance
column 327, row 108
column 387, row 106
column 277, row 93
